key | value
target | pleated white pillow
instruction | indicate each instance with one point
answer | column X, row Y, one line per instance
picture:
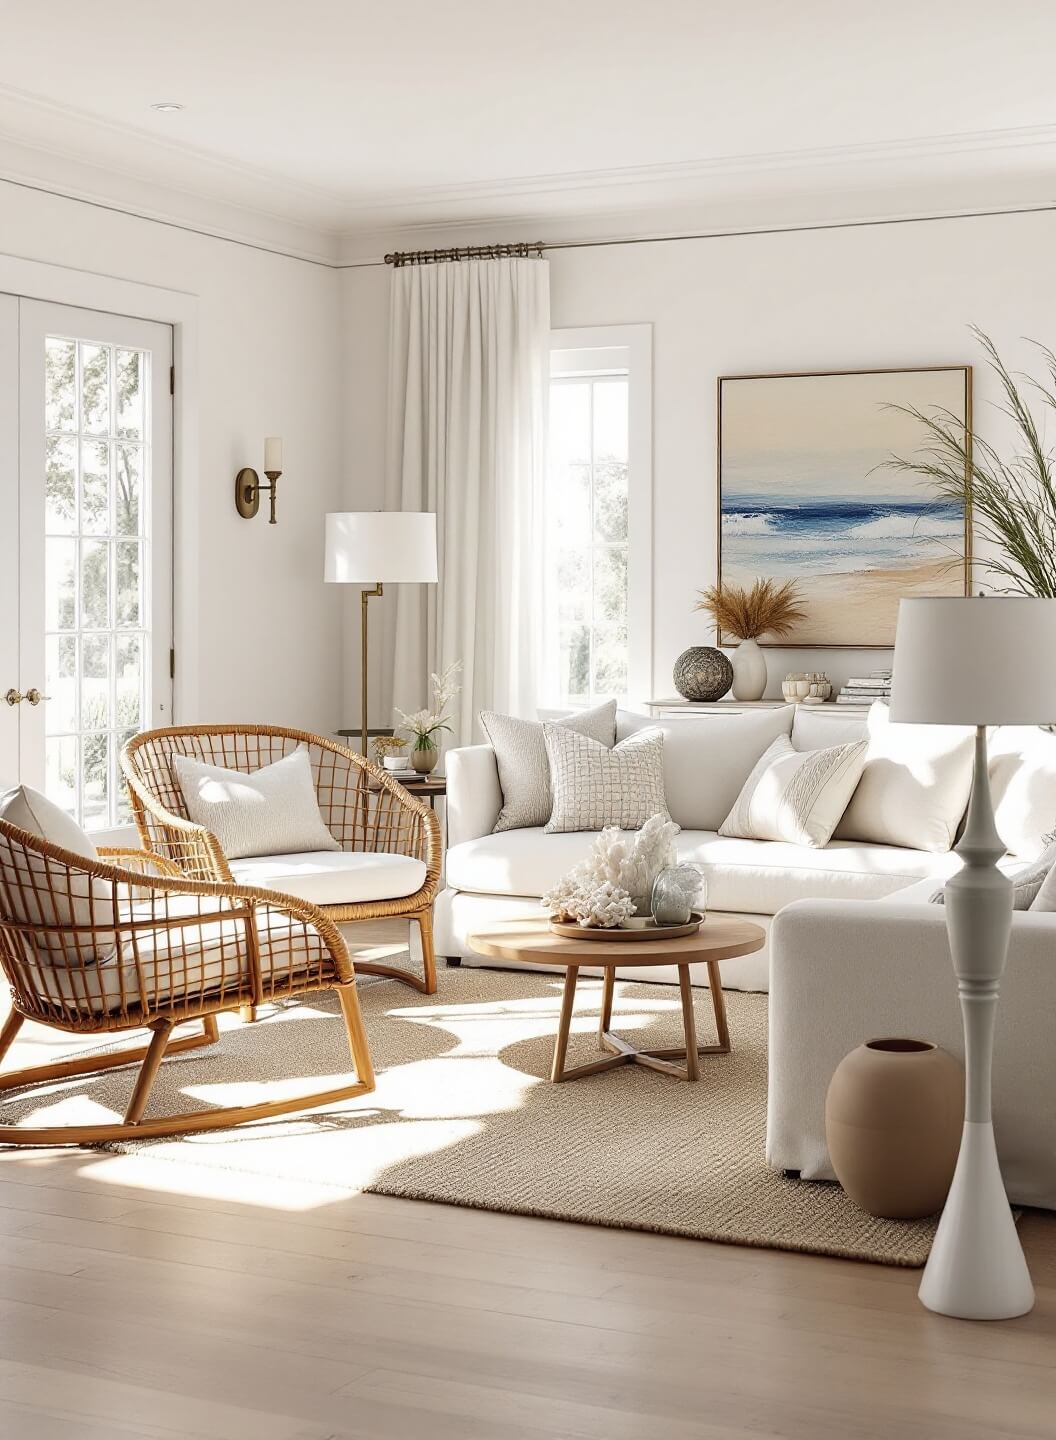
column 270, row 811
column 796, row 795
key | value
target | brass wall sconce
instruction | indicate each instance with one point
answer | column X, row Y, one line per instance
column 248, row 483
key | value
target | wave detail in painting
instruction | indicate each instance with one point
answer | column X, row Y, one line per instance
column 837, row 535
column 739, row 523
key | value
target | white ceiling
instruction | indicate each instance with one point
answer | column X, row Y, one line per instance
column 346, row 116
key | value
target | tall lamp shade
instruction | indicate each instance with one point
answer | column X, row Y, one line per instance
column 372, row 547
column 375, row 547
column 984, row 661
column 980, row 661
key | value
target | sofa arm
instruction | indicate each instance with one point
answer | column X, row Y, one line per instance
column 474, row 796
column 846, row 971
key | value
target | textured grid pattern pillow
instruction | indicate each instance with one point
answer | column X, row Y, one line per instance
column 270, row 811
column 524, row 770
column 796, row 795
column 595, row 786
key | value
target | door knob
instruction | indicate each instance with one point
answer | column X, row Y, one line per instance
column 34, row 696
column 14, row 697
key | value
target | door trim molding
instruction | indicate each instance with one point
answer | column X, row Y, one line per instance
column 88, row 290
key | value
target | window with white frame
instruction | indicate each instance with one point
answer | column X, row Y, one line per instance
column 598, row 517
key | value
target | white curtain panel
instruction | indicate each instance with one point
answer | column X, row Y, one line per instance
column 468, row 382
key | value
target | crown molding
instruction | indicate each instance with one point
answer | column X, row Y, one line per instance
column 26, row 168
column 760, row 215
column 158, row 180
column 689, row 180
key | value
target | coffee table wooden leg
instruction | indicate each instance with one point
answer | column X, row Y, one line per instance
column 685, row 984
column 718, row 1004
column 568, row 1000
column 607, row 987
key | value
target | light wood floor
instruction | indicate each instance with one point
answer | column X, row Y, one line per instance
column 131, row 1308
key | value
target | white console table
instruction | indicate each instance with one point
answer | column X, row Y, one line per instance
column 676, row 706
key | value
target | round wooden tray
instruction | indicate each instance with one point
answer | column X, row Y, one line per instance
column 636, row 929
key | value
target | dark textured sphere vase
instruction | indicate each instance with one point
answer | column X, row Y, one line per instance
column 893, row 1119
column 703, row 673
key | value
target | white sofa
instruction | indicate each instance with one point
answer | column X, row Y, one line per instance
column 856, row 949
column 493, row 877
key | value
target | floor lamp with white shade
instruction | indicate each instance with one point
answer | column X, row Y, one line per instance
column 374, row 548
column 977, row 661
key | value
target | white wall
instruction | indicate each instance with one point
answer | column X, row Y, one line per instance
column 844, row 298
column 268, row 362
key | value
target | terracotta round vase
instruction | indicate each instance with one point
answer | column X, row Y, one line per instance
column 424, row 761
column 893, row 1118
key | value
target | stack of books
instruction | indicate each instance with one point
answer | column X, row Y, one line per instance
column 866, row 688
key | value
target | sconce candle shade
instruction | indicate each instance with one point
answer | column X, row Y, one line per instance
column 273, row 454
column 368, row 547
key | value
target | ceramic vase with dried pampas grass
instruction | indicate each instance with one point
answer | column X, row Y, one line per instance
column 745, row 614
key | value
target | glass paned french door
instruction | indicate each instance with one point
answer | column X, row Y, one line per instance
column 94, row 440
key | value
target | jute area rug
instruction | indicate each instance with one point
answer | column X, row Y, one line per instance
column 463, row 1114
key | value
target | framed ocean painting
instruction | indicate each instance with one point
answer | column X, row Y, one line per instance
column 804, row 495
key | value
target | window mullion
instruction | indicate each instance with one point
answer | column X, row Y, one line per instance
column 589, row 630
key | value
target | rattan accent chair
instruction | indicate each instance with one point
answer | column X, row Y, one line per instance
column 364, row 809
column 101, row 946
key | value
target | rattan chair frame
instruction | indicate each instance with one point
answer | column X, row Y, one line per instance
column 305, row 951
column 362, row 806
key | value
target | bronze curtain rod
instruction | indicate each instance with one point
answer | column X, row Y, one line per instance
column 522, row 251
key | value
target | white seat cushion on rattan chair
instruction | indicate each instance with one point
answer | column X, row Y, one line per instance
column 191, row 962
column 343, row 877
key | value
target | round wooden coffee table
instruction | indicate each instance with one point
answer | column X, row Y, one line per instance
column 534, row 943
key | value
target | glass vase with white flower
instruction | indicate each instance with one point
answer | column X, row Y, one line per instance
column 424, row 726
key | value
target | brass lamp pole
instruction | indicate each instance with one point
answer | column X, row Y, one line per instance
column 363, row 600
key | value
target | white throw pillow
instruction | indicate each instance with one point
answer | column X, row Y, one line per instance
column 707, row 758
column 44, row 898
column 796, row 795
column 595, row 786
column 914, row 787
column 271, row 811
column 524, row 770
column 1022, row 764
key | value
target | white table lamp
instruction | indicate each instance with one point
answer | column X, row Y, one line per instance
column 985, row 661
column 374, row 548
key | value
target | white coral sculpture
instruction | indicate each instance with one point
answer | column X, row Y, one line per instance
column 605, row 907
column 618, row 865
column 564, row 900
